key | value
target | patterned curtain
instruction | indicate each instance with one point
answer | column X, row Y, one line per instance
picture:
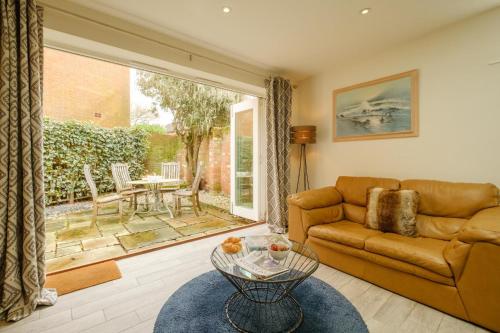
column 22, row 226
column 279, row 109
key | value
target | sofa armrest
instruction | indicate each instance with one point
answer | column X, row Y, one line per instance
column 310, row 208
column 482, row 227
column 318, row 198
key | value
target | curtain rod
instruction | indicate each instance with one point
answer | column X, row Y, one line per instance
column 189, row 53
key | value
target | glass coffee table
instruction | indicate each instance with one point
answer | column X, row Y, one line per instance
column 265, row 305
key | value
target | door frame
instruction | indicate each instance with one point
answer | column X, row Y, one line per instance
column 253, row 213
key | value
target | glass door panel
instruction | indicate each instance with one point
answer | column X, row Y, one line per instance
column 244, row 159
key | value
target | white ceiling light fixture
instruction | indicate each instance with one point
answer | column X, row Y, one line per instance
column 365, row 11
column 226, row 9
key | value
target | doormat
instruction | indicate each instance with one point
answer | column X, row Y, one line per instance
column 83, row 277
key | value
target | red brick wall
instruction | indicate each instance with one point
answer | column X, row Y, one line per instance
column 85, row 89
column 215, row 154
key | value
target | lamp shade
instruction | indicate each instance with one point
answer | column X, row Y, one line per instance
column 303, row 134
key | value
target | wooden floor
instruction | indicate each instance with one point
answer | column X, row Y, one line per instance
column 132, row 303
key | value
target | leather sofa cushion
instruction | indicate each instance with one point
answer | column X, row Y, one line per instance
column 344, row 232
column 381, row 260
column 321, row 216
column 354, row 213
column 353, row 189
column 424, row 252
column 444, row 228
column 316, row 198
column 448, row 199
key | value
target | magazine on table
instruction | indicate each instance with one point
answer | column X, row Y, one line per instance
column 260, row 265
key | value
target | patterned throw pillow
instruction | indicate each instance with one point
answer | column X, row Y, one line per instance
column 392, row 211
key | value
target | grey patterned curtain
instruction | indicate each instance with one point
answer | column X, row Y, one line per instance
column 22, row 227
column 279, row 109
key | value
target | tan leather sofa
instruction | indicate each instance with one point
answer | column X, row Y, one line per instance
column 454, row 263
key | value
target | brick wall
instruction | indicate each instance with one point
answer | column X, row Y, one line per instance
column 85, row 89
column 215, row 154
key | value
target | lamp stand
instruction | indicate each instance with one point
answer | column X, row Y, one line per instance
column 305, row 176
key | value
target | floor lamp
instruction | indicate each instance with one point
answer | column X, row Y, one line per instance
column 303, row 135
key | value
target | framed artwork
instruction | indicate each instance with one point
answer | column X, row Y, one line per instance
column 379, row 109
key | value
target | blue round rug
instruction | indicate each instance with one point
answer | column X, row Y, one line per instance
column 198, row 306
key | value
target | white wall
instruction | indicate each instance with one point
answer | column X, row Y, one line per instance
column 459, row 110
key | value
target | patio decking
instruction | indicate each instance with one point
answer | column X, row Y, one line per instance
column 73, row 240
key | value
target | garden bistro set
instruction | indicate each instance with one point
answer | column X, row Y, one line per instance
column 151, row 189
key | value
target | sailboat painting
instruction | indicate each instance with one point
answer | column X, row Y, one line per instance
column 379, row 109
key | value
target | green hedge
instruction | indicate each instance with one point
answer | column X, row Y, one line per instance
column 70, row 145
column 162, row 148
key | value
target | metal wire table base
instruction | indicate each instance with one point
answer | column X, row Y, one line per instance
column 246, row 315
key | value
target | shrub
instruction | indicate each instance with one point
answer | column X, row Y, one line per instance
column 70, row 145
column 158, row 129
column 162, row 148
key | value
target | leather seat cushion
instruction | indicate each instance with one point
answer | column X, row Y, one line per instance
column 379, row 260
column 423, row 252
column 343, row 232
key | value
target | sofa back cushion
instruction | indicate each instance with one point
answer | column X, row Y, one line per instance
column 354, row 189
column 354, row 213
column 456, row 200
column 443, row 228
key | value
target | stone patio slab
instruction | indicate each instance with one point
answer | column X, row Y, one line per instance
column 77, row 234
column 53, row 225
column 50, row 242
column 67, row 250
column 84, row 258
column 214, row 223
column 147, row 238
column 91, row 244
column 148, row 223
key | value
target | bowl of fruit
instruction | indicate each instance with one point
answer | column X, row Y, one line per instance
column 279, row 249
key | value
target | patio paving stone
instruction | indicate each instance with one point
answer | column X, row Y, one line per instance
column 77, row 234
column 148, row 223
column 74, row 218
column 64, row 251
column 80, row 224
column 91, row 244
column 176, row 224
column 214, row 231
column 50, row 255
column 214, row 223
column 114, row 230
column 50, row 242
column 147, row 238
column 52, row 225
column 84, row 257
column 68, row 244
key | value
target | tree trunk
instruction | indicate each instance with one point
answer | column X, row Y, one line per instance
column 192, row 152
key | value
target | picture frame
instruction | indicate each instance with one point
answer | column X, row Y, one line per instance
column 384, row 108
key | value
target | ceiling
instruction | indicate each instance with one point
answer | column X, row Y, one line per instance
column 297, row 38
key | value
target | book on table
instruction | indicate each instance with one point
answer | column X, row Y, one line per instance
column 260, row 265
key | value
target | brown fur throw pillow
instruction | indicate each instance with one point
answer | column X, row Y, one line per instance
column 392, row 211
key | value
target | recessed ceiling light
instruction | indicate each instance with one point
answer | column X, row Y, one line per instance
column 226, row 9
column 365, row 11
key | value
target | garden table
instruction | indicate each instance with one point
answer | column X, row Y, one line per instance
column 154, row 185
